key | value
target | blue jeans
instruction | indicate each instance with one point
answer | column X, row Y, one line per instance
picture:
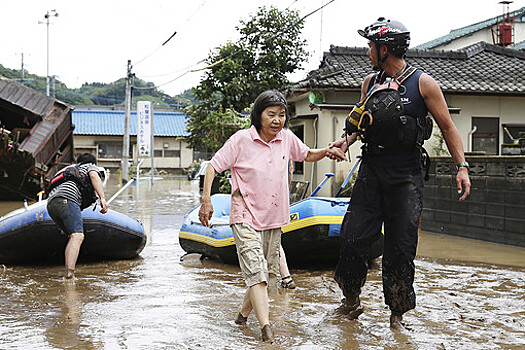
column 66, row 214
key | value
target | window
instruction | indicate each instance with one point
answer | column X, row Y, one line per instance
column 511, row 137
column 486, row 137
column 157, row 153
column 203, row 153
column 110, row 150
column 511, row 132
column 172, row 153
column 298, row 130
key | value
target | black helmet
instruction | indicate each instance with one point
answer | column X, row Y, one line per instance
column 392, row 34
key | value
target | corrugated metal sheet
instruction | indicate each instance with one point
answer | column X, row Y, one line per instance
column 90, row 122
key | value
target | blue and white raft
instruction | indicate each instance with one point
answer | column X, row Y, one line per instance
column 29, row 235
column 311, row 239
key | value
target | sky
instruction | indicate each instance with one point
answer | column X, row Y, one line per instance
column 91, row 41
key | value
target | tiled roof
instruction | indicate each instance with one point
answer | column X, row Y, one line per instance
column 519, row 46
column 480, row 68
column 519, row 16
column 92, row 122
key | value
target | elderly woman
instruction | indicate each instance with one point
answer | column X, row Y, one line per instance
column 258, row 158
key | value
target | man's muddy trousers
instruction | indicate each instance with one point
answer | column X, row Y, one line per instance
column 382, row 194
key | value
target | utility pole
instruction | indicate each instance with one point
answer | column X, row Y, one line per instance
column 125, row 146
column 22, row 70
column 48, row 14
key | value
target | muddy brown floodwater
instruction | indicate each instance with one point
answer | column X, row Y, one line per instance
column 470, row 296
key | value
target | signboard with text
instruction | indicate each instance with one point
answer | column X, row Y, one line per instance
column 144, row 125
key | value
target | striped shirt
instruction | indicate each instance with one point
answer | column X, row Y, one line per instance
column 69, row 189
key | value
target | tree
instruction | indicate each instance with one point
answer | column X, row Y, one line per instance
column 270, row 47
column 101, row 93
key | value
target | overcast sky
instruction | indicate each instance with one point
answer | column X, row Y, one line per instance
column 91, row 41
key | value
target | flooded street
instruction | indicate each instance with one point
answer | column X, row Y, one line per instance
column 470, row 295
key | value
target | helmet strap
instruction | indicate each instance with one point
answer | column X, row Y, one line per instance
column 379, row 60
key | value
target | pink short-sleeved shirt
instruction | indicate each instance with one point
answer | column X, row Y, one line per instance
column 260, row 173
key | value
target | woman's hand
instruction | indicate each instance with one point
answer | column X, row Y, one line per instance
column 205, row 212
column 341, row 144
column 335, row 153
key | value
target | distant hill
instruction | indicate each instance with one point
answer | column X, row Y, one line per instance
column 101, row 93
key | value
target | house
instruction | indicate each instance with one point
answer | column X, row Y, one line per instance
column 483, row 84
column 507, row 30
column 36, row 139
column 101, row 132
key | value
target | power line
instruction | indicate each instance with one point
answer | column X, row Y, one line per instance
column 291, row 4
column 171, row 73
column 271, row 38
column 172, row 35
column 240, row 50
column 157, row 49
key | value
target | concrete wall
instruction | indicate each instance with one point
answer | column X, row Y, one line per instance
column 495, row 210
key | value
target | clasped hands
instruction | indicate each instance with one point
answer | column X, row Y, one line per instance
column 336, row 150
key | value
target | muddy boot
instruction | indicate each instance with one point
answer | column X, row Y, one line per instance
column 241, row 320
column 396, row 321
column 267, row 334
column 350, row 307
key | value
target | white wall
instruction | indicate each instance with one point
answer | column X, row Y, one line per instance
column 331, row 122
column 329, row 127
column 87, row 143
column 482, row 35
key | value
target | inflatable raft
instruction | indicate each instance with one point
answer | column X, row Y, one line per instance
column 29, row 235
column 311, row 238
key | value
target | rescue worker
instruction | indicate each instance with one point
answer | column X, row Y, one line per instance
column 389, row 186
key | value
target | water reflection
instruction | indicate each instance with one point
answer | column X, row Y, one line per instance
column 66, row 332
column 159, row 302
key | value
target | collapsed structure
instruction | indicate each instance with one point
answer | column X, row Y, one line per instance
column 36, row 140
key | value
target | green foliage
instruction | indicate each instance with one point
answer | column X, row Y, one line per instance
column 30, row 80
column 211, row 128
column 100, row 93
column 225, row 184
column 238, row 72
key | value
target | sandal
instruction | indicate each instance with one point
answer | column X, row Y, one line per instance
column 288, row 285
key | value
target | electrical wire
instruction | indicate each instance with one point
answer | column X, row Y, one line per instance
column 291, row 4
column 172, row 35
column 240, row 50
column 273, row 36
column 171, row 73
column 157, row 49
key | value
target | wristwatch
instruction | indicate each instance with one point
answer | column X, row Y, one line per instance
column 463, row 164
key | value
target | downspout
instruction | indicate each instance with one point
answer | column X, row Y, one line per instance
column 471, row 132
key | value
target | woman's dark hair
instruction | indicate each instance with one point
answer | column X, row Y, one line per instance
column 264, row 100
column 85, row 158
